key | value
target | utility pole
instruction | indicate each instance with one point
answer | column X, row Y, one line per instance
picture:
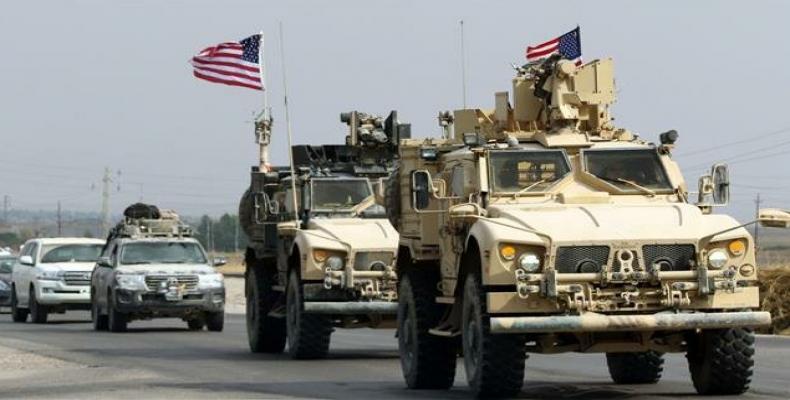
column 463, row 65
column 5, row 208
column 105, row 201
column 60, row 221
column 757, row 202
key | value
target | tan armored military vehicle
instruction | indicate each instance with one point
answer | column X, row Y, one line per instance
column 322, row 251
column 540, row 227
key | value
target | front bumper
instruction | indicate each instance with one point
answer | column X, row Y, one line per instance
column 153, row 304
column 594, row 322
column 58, row 292
column 351, row 307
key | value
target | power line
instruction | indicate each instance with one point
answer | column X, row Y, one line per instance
column 723, row 145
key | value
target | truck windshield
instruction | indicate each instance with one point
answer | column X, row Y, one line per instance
column 62, row 253
column 331, row 194
column 628, row 170
column 162, row 253
column 514, row 171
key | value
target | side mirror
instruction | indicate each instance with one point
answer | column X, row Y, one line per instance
column 26, row 260
column 721, row 184
column 774, row 218
column 104, row 262
column 219, row 261
column 421, row 189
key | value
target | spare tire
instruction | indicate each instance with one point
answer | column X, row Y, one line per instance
column 142, row 210
column 392, row 197
column 246, row 213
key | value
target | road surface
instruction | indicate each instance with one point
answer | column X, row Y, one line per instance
column 161, row 359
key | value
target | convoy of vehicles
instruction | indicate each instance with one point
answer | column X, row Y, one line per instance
column 322, row 252
column 539, row 227
column 52, row 276
column 534, row 227
column 152, row 267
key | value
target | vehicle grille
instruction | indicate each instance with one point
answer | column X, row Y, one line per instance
column 363, row 260
column 679, row 256
column 77, row 278
column 572, row 259
column 154, row 281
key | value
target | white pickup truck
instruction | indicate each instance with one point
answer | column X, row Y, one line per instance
column 53, row 275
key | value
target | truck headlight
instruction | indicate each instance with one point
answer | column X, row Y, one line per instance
column 717, row 259
column 334, row 263
column 133, row 282
column 529, row 262
column 211, row 281
column 50, row 275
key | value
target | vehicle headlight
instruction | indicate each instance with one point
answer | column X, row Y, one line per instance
column 131, row 281
column 335, row 263
column 50, row 275
column 529, row 262
column 211, row 281
column 717, row 259
column 4, row 285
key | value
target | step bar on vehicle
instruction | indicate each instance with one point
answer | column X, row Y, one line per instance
column 351, row 307
column 594, row 322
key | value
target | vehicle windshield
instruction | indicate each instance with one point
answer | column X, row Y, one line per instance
column 628, row 170
column 332, row 194
column 526, row 171
column 60, row 253
column 162, row 253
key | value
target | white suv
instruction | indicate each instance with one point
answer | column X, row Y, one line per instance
column 53, row 275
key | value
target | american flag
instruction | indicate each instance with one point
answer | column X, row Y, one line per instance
column 569, row 46
column 231, row 63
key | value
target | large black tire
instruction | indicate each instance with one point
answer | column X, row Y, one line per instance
column 265, row 334
column 116, row 320
column 308, row 334
column 721, row 360
column 246, row 220
column 635, row 368
column 38, row 312
column 215, row 321
column 17, row 314
column 427, row 361
column 494, row 363
column 99, row 320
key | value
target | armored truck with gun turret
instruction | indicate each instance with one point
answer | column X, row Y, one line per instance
column 540, row 227
column 151, row 266
column 322, row 252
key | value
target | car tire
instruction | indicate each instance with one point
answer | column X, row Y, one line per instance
column 494, row 364
column 195, row 324
column 265, row 334
column 427, row 361
column 721, row 360
column 17, row 314
column 38, row 312
column 100, row 322
column 215, row 321
column 635, row 368
column 116, row 320
column 308, row 334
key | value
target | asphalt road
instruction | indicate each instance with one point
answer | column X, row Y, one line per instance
column 158, row 359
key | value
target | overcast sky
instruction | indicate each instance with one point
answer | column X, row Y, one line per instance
column 89, row 84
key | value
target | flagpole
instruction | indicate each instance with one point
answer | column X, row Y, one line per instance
column 288, row 128
column 263, row 124
column 463, row 65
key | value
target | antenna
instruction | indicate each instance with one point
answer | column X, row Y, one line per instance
column 288, row 129
column 263, row 122
column 463, row 64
